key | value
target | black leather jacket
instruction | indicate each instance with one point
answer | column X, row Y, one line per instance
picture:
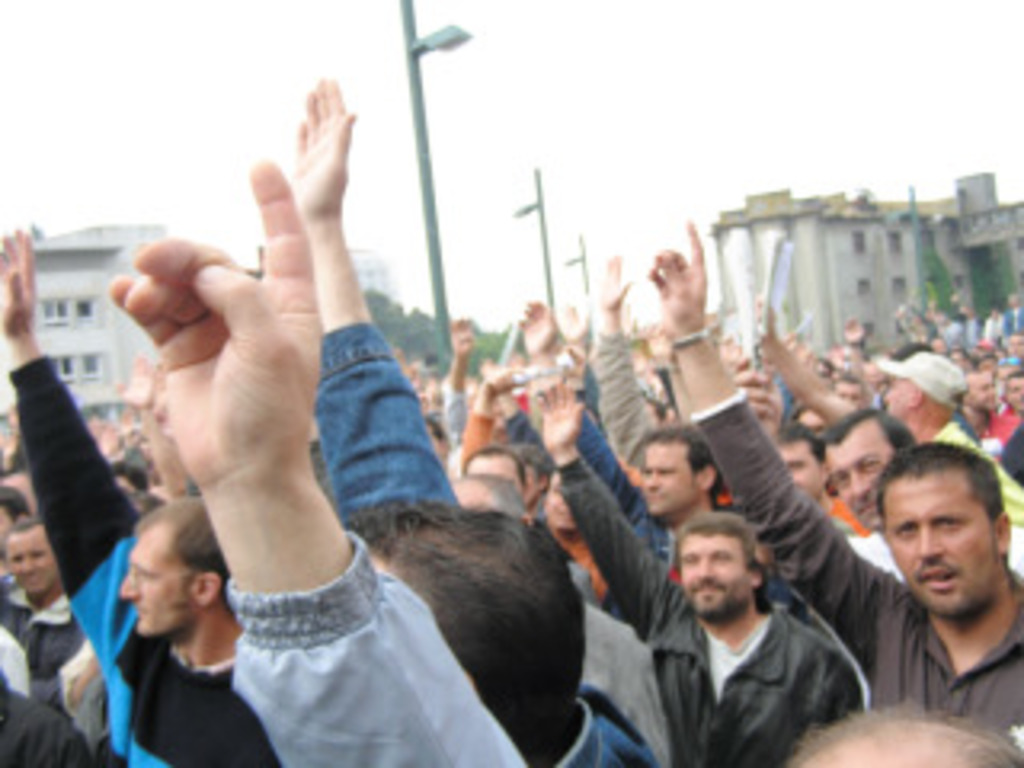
column 796, row 678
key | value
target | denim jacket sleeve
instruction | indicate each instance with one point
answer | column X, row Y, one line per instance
column 372, row 432
column 357, row 673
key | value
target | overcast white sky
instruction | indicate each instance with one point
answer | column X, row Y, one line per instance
column 640, row 115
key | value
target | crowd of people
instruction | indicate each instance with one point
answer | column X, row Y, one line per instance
column 612, row 549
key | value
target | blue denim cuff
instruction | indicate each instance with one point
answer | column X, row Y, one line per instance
column 351, row 345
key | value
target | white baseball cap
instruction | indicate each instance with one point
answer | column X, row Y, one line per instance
column 936, row 376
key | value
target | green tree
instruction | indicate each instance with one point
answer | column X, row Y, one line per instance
column 937, row 281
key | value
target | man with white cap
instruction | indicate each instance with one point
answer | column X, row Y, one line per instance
column 924, row 394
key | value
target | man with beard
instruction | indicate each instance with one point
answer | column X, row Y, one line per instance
column 740, row 682
column 948, row 639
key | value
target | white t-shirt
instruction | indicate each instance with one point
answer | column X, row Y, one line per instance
column 725, row 661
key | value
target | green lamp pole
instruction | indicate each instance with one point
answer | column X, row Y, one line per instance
column 445, row 39
column 538, row 206
column 582, row 261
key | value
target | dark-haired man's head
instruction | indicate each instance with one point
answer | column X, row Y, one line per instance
column 539, row 469
column 804, row 454
column 858, row 449
column 131, row 477
column 177, row 576
column 852, row 389
column 505, row 603
column 718, row 568
column 499, row 460
column 31, row 562
column 942, row 512
column 490, row 493
column 680, row 477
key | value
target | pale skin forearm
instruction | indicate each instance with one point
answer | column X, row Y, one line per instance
column 24, row 350
column 805, row 385
column 278, row 531
column 705, row 378
column 338, row 291
column 166, row 461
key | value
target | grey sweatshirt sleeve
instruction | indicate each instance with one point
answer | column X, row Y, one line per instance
column 357, row 673
column 622, row 403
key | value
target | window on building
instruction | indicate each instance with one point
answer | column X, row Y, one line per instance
column 958, row 282
column 65, row 368
column 869, row 329
column 85, row 312
column 863, row 287
column 859, row 242
column 92, row 368
column 895, row 240
column 1020, row 243
column 56, row 313
column 928, row 239
column 899, row 287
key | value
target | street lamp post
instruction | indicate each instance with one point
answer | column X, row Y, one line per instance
column 538, row 206
column 582, row 261
column 445, row 39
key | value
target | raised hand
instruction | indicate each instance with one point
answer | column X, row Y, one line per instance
column 140, row 392
column 682, row 286
column 563, row 421
column 241, row 356
column 613, row 294
column 463, row 338
column 854, row 333
column 540, row 332
column 574, row 327
column 18, row 270
column 321, row 169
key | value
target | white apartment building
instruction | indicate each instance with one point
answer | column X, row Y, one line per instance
column 92, row 343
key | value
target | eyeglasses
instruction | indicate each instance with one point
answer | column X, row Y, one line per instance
column 867, row 467
column 138, row 576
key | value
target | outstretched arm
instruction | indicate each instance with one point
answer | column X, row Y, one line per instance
column 241, row 360
column 366, row 410
column 806, row 386
column 810, row 551
column 623, row 411
column 637, row 579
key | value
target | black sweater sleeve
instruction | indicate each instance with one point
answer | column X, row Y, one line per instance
column 84, row 510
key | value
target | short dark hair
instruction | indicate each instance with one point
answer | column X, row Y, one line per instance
column 494, row 449
column 850, row 378
column 796, row 432
column 536, row 458
column 941, row 458
column 910, row 349
column 133, row 473
column 435, row 426
column 699, row 454
column 505, row 604
column 25, row 524
column 734, row 526
column 193, row 538
column 895, row 431
column 13, row 502
column 503, row 496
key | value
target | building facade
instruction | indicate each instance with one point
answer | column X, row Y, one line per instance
column 93, row 344
column 856, row 257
